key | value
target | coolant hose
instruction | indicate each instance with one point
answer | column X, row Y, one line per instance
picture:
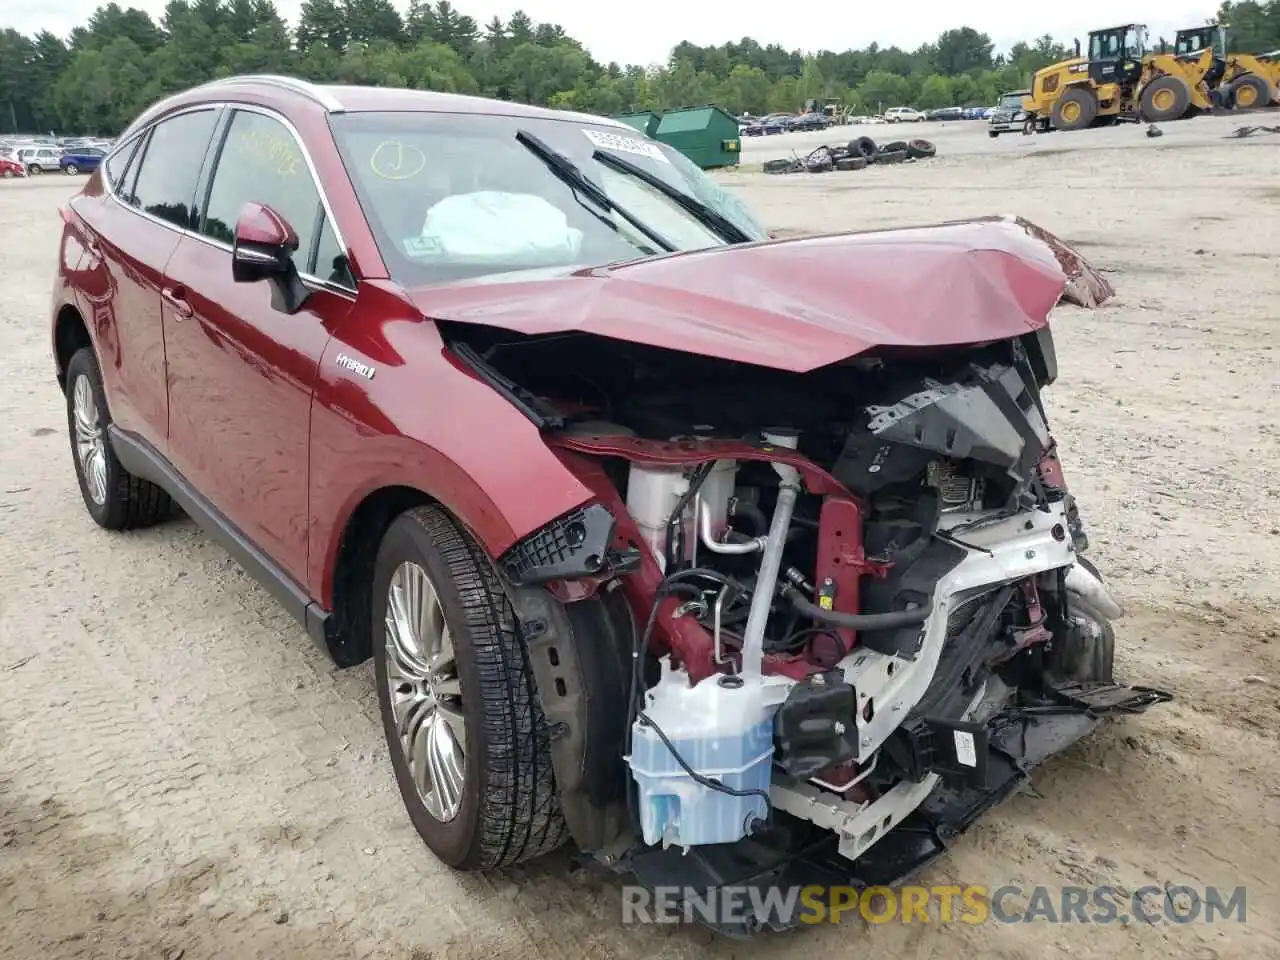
column 857, row 621
column 749, row 511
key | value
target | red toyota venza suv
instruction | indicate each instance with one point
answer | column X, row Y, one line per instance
column 662, row 533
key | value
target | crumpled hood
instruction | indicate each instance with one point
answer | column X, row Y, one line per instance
column 801, row 303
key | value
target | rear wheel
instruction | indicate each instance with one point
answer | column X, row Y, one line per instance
column 1249, row 91
column 115, row 498
column 1075, row 109
column 468, row 741
column 1164, row 99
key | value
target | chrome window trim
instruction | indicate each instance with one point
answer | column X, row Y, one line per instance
column 218, row 244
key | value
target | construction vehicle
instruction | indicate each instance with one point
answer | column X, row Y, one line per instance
column 830, row 107
column 1119, row 79
column 1240, row 80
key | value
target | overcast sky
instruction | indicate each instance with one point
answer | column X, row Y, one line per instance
column 611, row 31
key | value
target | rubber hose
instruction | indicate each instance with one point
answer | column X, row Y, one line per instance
column 752, row 513
column 857, row 621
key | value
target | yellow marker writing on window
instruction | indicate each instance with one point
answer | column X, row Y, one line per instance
column 393, row 160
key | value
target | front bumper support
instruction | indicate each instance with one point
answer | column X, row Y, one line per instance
column 799, row 853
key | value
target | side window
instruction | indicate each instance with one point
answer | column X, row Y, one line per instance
column 261, row 162
column 331, row 260
column 166, row 182
column 119, row 163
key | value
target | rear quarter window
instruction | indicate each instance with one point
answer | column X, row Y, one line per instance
column 118, row 163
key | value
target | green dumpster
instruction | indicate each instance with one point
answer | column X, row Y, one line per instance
column 646, row 121
column 706, row 135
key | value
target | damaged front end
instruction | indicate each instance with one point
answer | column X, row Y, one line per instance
column 812, row 623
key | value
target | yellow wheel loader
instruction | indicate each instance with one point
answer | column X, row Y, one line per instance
column 1120, row 79
column 1238, row 80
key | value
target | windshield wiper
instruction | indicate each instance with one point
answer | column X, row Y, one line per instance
column 717, row 222
column 567, row 171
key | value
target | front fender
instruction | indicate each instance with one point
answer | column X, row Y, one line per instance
column 415, row 419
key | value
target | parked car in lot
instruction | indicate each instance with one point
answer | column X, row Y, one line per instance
column 946, row 113
column 38, row 160
column 81, row 160
column 772, row 124
column 810, row 121
column 616, row 492
column 903, row 115
column 11, row 167
column 1008, row 116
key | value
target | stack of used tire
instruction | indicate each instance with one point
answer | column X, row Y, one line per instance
column 854, row 155
column 898, row 150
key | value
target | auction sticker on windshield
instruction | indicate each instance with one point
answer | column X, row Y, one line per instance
column 624, row 144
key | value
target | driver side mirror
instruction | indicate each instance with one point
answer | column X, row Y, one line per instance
column 263, row 250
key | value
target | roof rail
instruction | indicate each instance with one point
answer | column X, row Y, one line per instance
column 319, row 95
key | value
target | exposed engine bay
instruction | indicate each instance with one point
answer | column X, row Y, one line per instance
column 850, row 601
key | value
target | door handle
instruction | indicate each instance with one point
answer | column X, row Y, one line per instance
column 178, row 301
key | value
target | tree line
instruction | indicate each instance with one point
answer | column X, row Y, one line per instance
column 120, row 60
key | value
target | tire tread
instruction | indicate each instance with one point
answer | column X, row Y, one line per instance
column 520, row 817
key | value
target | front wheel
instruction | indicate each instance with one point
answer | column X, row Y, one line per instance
column 71, row 169
column 469, row 745
column 34, row 170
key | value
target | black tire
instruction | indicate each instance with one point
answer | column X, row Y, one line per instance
column 895, row 146
column 127, row 502
column 70, row 169
column 778, row 166
column 863, row 147
column 993, row 134
column 891, row 156
column 921, row 149
column 852, row 163
column 509, row 810
column 34, row 170
column 1248, row 91
column 1170, row 93
column 1076, row 109
column 1086, row 651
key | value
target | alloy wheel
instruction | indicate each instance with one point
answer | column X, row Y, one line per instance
column 91, row 446
column 425, row 691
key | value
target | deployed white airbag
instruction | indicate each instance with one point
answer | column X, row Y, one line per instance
column 491, row 226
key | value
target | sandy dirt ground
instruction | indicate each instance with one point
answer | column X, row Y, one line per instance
column 183, row 775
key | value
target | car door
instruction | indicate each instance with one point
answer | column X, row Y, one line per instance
column 241, row 369
column 134, row 222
